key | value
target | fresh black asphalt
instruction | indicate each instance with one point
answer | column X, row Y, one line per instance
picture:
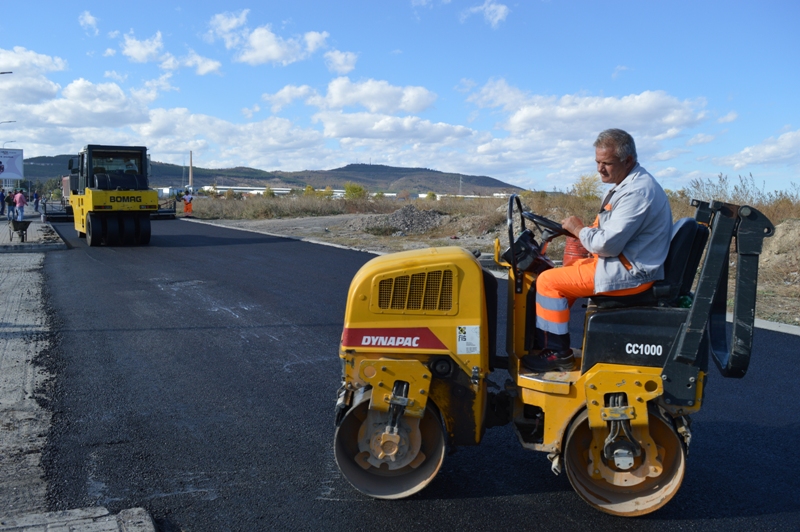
column 196, row 377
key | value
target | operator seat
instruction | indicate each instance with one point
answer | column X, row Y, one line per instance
column 685, row 249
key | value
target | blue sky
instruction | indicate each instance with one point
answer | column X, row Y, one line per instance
column 516, row 90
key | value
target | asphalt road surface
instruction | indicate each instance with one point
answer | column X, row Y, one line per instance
column 196, row 378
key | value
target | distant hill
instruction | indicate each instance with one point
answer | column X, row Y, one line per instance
column 374, row 177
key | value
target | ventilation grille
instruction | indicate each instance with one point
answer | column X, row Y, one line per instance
column 426, row 291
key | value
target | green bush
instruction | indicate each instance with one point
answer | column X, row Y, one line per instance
column 354, row 191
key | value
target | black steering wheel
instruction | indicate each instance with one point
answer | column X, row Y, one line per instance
column 543, row 223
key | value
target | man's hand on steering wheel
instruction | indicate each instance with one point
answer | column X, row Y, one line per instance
column 572, row 225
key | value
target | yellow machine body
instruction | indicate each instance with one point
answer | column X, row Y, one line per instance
column 408, row 308
column 107, row 202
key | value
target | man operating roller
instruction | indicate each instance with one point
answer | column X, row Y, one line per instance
column 629, row 241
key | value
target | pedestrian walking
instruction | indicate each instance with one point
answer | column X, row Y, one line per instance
column 20, row 201
column 2, row 201
column 11, row 205
column 35, row 201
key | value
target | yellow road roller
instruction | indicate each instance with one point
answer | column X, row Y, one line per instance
column 110, row 196
column 418, row 347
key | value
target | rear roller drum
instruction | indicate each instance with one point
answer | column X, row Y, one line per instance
column 127, row 229
column 94, row 230
column 112, row 231
column 631, row 491
column 143, row 230
column 388, row 466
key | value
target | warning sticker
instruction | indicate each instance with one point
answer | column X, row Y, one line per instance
column 468, row 339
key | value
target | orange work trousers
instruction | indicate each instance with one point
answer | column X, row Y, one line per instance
column 187, row 208
column 556, row 291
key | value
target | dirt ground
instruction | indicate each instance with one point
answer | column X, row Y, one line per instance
column 779, row 267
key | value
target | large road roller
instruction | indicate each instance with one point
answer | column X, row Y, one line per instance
column 110, row 197
column 418, row 348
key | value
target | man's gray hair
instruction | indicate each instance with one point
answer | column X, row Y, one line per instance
column 620, row 140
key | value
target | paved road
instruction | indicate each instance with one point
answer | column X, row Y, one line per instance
column 196, row 378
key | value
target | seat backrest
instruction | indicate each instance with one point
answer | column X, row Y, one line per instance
column 98, row 170
column 685, row 249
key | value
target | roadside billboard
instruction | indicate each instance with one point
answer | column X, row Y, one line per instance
column 11, row 165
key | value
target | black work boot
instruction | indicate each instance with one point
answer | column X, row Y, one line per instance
column 549, row 360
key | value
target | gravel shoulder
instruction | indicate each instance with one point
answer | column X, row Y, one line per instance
column 348, row 230
column 23, row 421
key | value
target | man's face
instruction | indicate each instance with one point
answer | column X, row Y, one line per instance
column 610, row 167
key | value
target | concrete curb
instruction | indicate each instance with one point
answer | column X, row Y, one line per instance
column 96, row 519
column 32, row 247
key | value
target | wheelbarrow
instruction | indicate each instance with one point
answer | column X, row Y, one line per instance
column 19, row 227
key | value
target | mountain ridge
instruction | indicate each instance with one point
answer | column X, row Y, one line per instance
column 374, row 177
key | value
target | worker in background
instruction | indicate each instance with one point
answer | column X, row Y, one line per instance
column 187, row 203
column 2, row 201
column 20, row 202
column 35, row 201
column 11, row 205
column 629, row 241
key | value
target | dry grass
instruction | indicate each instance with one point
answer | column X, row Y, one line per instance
column 485, row 215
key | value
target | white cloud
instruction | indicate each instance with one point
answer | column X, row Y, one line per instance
column 28, row 84
column 667, row 155
column 315, row 40
column 142, row 51
column 262, row 45
column 376, row 96
column 86, row 104
column 493, row 12
column 498, row 93
column 110, row 52
column 730, row 117
column 113, row 34
column 203, row 65
column 169, row 62
column 340, row 62
column 112, row 74
column 152, row 88
column 652, row 113
column 700, row 138
column 617, row 71
column 250, row 111
column 88, row 23
column 397, row 130
column 229, row 28
column 783, row 150
column 465, row 85
column 287, row 95
column 555, row 133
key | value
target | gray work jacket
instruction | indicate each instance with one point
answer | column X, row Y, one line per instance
column 638, row 227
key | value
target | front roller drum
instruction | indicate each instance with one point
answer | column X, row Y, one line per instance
column 389, row 466
column 635, row 493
